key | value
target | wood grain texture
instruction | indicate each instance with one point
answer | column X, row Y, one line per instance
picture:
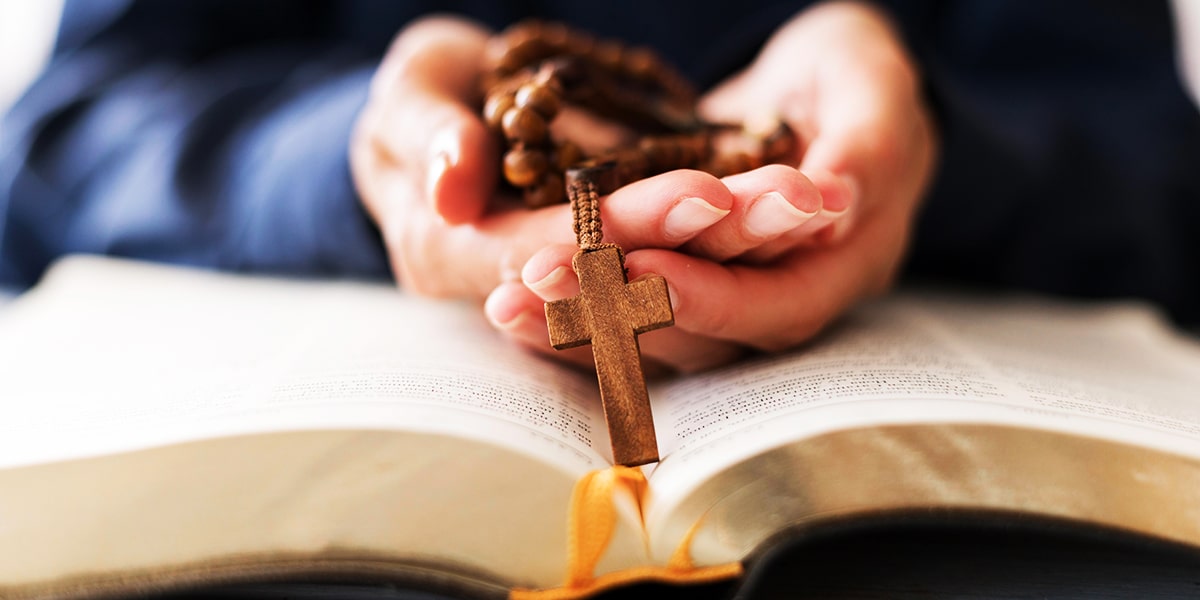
column 609, row 313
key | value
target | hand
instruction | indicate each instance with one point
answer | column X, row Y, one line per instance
column 426, row 168
column 840, row 77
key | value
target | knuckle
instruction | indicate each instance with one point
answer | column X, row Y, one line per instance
column 717, row 322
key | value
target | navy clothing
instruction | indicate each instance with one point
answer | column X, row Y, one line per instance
column 214, row 132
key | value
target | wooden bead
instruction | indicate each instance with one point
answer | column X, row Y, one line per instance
column 524, row 125
column 557, row 36
column 648, row 146
column 697, row 150
column 539, row 97
column 631, row 165
column 780, row 145
column 495, row 107
column 523, row 48
column 642, row 64
column 537, row 68
column 731, row 164
column 608, row 54
column 669, row 154
column 550, row 190
column 568, row 155
column 524, row 167
column 581, row 44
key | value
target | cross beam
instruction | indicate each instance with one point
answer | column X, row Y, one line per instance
column 609, row 313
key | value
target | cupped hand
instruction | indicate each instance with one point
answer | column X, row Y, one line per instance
column 799, row 246
column 426, row 169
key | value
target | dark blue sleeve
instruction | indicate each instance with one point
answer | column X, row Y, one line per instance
column 192, row 132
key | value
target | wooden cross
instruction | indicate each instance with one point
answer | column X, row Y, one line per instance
column 610, row 312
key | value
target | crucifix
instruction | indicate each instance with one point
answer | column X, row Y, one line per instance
column 610, row 312
column 532, row 71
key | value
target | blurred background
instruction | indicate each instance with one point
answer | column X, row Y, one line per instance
column 26, row 37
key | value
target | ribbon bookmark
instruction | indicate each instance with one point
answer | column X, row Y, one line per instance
column 592, row 520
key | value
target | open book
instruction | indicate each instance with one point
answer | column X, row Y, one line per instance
column 164, row 427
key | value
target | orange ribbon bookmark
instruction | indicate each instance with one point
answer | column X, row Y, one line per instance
column 593, row 518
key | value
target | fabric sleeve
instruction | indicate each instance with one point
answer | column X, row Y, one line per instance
column 206, row 133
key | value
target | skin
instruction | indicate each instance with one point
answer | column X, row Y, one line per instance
column 426, row 169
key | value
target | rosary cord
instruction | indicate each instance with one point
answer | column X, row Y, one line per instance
column 585, row 210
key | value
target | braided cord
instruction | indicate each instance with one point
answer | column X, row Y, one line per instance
column 585, row 209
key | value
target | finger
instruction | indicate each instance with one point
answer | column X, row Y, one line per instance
column 666, row 210
column 520, row 315
column 425, row 123
column 829, row 225
column 767, row 203
column 776, row 306
column 472, row 259
column 549, row 274
column 872, row 128
column 659, row 212
column 517, row 311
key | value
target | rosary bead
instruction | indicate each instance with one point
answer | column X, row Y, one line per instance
column 557, row 36
column 772, row 137
column 524, row 167
column 643, row 65
column 649, row 148
column 669, row 153
column 631, row 165
column 495, row 108
column 551, row 190
column 581, row 44
column 780, row 144
column 524, row 125
column 731, row 164
column 608, row 55
column 534, row 69
column 568, row 155
column 540, row 98
column 522, row 51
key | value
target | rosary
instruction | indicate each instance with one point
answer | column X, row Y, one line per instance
column 532, row 71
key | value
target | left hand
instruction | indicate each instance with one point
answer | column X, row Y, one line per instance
column 839, row 75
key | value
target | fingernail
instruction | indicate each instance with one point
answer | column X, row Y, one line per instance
column 501, row 313
column 511, row 322
column 771, row 214
column 437, row 167
column 689, row 216
column 445, row 155
column 550, row 280
column 674, row 297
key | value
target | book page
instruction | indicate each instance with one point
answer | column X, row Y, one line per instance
column 108, row 356
column 1113, row 371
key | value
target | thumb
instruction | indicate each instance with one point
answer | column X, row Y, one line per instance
column 425, row 92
